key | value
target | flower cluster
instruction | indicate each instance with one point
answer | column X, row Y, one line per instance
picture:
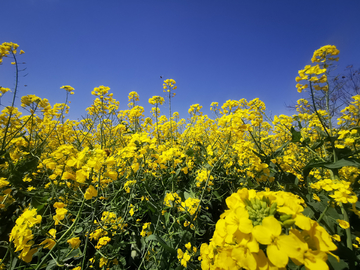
column 21, row 234
column 262, row 230
column 6, row 48
column 186, row 256
column 316, row 74
column 340, row 190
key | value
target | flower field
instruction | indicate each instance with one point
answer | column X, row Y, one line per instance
column 118, row 190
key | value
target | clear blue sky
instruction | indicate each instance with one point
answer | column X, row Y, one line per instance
column 215, row 50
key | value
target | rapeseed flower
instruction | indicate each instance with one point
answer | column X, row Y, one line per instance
column 90, row 193
column 343, row 224
column 74, row 242
column 21, row 234
column 255, row 223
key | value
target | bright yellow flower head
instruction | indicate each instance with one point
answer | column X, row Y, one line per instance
column 90, row 193
column 68, row 88
column 74, row 242
column 343, row 224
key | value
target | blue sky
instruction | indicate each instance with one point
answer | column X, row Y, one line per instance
column 215, row 50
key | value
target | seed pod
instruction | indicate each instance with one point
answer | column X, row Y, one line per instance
column 263, row 204
column 288, row 223
column 273, row 209
column 285, row 217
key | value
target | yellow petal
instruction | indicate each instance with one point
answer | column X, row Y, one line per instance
column 303, row 222
column 316, row 260
column 276, row 256
column 262, row 235
column 245, row 225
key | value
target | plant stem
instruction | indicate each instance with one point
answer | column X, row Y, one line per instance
column 13, row 101
column 348, row 231
column 70, row 228
column 323, row 213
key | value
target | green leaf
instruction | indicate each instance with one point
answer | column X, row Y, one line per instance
column 337, row 265
column 14, row 262
column 51, row 265
column 280, row 149
column 167, row 216
column 317, row 145
column 154, row 237
column 75, row 253
column 330, row 165
column 308, row 212
column 190, row 152
column 187, row 195
column 217, row 195
column 151, row 206
column 79, row 230
column 321, row 132
column 262, row 157
column 342, row 163
column 295, row 135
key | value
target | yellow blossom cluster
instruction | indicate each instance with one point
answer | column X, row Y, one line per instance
column 186, row 256
column 252, row 234
column 316, row 74
column 340, row 190
column 115, row 167
column 172, row 199
column 21, row 234
column 146, row 230
column 6, row 48
column 61, row 211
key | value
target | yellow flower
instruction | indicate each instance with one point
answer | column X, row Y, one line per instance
column 279, row 247
column 48, row 243
column 131, row 212
column 316, row 197
column 336, row 237
column 21, row 234
column 128, row 184
column 30, row 188
column 59, row 205
column 146, row 229
column 74, row 242
column 60, row 215
column 180, row 253
column 343, row 224
column 103, row 241
column 68, row 88
column 90, row 193
column 183, row 257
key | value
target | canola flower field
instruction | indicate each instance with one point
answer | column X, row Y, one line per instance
column 117, row 190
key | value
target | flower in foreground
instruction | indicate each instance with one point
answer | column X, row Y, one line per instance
column 90, row 193
column 343, row 224
column 74, row 242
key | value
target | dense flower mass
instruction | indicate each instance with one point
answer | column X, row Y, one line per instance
column 126, row 188
column 21, row 234
column 251, row 234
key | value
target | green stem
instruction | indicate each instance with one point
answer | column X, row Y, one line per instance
column 323, row 213
column 13, row 101
column 3, row 259
column 68, row 230
column 171, row 138
column 348, row 231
